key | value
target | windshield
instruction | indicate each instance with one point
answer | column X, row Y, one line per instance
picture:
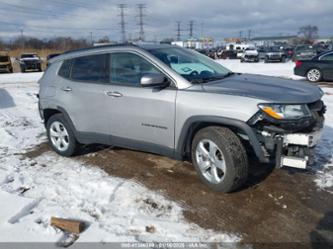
column 28, row 56
column 4, row 58
column 304, row 47
column 274, row 49
column 193, row 66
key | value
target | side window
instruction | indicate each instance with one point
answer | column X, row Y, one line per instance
column 328, row 57
column 128, row 68
column 65, row 69
column 92, row 68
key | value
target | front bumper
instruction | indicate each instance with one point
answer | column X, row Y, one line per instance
column 297, row 150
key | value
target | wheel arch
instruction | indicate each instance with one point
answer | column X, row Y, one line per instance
column 49, row 112
column 196, row 123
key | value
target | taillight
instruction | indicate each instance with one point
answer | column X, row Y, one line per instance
column 298, row 63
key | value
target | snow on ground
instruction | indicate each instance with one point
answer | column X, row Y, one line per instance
column 33, row 190
column 284, row 70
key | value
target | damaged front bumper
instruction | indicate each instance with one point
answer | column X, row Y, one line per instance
column 290, row 143
column 296, row 150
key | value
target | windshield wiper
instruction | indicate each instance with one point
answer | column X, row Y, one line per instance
column 212, row 78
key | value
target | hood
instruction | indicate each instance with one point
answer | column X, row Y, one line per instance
column 251, row 52
column 267, row 88
column 274, row 53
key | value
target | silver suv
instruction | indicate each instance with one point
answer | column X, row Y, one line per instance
column 176, row 102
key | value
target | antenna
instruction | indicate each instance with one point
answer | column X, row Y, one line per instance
column 122, row 7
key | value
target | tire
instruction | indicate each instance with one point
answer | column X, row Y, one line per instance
column 314, row 75
column 22, row 70
column 229, row 154
column 283, row 59
column 58, row 123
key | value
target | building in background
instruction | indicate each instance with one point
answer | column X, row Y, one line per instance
column 196, row 43
column 273, row 40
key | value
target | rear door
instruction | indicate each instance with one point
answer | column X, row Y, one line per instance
column 83, row 94
column 327, row 66
column 140, row 117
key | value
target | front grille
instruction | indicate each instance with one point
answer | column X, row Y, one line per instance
column 250, row 56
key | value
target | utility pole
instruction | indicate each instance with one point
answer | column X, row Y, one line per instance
column 249, row 34
column 178, row 30
column 91, row 38
column 22, row 38
column 191, row 24
column 122, row 7
column 141, row 7
column 240, row 35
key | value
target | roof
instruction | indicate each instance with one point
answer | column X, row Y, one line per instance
column 269, row 38
column 105, row 48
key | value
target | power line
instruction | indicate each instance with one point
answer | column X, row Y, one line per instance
column 141, row 7
column 122, row 21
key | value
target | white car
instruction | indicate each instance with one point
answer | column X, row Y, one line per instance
column 250, row 54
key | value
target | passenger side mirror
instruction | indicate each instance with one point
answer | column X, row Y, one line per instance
column 154, row 80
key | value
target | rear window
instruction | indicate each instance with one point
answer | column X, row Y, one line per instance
column 65, row 69
column 92, row 68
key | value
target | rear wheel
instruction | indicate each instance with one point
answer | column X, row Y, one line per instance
column 219, row 158
column 60, row 136
column 314, row 75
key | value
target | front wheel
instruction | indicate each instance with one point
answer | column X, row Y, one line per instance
column 60, row 136
column 314, row 75
column 219, row 158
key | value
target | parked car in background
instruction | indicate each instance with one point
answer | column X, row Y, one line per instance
column 5, row 63
column 250, row 54
column 289, row 52
column 30, row 62
column 318, row 68
column 304, row 52
column 274, row 54
column 50, row 56
column 229, row 54
column 261, row 53
column 176, row 102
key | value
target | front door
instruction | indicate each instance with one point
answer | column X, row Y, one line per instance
column 140, row 117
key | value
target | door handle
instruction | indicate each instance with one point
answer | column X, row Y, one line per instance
column 66, row 89
column 114, row 94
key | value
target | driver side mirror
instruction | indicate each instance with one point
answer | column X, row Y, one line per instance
column 154, row 80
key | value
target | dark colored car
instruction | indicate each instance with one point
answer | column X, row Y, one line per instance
column 275, row 54
column 304, row 52
column 289, row 52
column 229, row 54
column 30, row 61
column 318, row 68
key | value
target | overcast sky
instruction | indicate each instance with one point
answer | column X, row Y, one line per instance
column 216, row 18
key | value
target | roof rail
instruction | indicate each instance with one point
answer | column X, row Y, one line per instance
column 100, row 46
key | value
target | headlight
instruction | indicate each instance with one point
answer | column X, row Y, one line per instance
column 280, row 111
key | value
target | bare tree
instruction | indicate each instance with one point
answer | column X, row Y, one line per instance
column 309, row 33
